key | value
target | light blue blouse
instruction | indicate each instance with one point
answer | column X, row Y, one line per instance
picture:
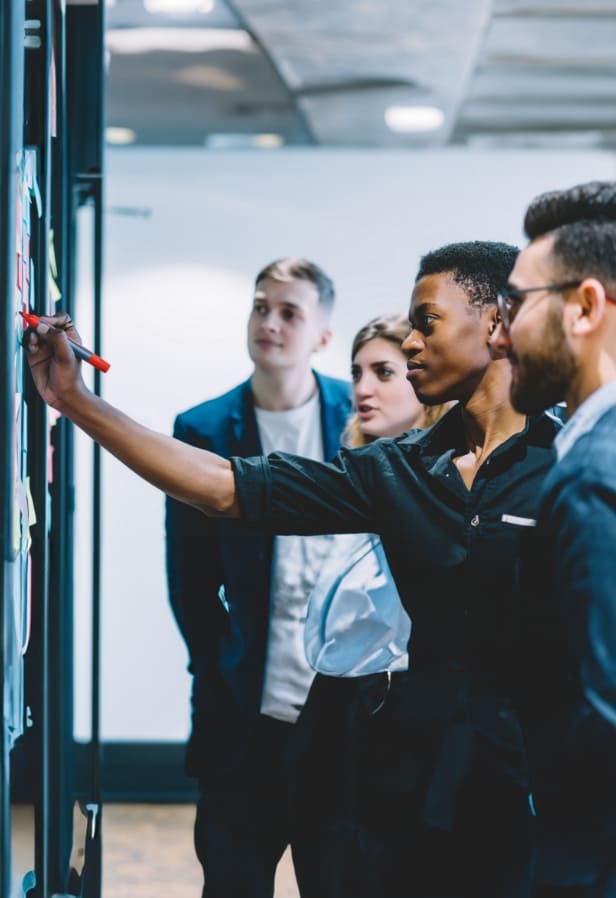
column 355, row 621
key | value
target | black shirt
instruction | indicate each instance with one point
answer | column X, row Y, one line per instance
column 454, row 552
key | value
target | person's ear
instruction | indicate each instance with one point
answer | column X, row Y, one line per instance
column 494, row 322
column 498, row 340
column 589, row 306
column 323, row 341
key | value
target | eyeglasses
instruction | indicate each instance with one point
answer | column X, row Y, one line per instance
column 510, row 300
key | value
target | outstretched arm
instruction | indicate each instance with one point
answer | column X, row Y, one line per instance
column 191, row 475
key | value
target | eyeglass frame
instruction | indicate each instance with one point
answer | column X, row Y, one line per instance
column 510, row 293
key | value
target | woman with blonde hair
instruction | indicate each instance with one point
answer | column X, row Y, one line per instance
column 391, row 373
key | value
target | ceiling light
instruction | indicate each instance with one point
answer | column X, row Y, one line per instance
column 178, row 7
column 267, row 141
column 232, row 141
column 178, row 40
column 120, row 136
column 211, row 76
column 407, row 119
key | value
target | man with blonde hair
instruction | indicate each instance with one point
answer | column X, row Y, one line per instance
column 239, row 595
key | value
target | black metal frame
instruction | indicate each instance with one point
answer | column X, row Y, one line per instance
column 69, row 175
column 11, row 77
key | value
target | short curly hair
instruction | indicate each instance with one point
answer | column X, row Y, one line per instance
column 480, row 267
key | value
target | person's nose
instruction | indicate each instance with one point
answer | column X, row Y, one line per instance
column 271, row 321
column 412, row 343
column 500, row 341
column 363, row 387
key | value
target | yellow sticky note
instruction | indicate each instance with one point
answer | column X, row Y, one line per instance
column 31, row 508
column 16, row 527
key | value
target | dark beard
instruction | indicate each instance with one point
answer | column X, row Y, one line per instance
column 541, row 380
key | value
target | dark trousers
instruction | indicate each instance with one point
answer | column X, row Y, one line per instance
column 487, row 853
column 603, row 889
column 407, row 808
column 244, row 823
column 600, row 885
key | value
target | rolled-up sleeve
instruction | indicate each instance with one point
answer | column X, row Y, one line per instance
column 290, row 494
column 253, row 484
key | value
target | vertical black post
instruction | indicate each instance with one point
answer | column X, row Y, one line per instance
column 37, row 133
column 96, row 814
column 86, row 105
column 97, row 191
column 11, row 78
column 61, row 542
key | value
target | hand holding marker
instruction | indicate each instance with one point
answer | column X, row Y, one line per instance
column 80, row 351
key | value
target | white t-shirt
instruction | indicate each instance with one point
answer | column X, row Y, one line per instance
column 297, row 562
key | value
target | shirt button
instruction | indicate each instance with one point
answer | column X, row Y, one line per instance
column 475, row 521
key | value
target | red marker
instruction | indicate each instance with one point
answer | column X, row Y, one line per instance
column 80, row 351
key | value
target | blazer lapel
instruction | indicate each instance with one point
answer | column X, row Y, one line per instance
column 244, row 436
column 334, row 414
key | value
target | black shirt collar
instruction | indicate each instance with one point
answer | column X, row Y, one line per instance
column 447, row 436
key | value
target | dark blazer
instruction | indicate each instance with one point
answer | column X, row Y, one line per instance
column 219, row 575
column 570, row 664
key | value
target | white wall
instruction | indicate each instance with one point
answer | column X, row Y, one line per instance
column 177, row 292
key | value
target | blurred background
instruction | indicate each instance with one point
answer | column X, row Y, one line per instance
column 358, row 134
column 199, row 140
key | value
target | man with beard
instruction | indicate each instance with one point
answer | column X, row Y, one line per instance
column 559, row 328
column 453, row 506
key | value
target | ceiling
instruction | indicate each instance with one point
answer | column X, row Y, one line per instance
column 362, row 73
